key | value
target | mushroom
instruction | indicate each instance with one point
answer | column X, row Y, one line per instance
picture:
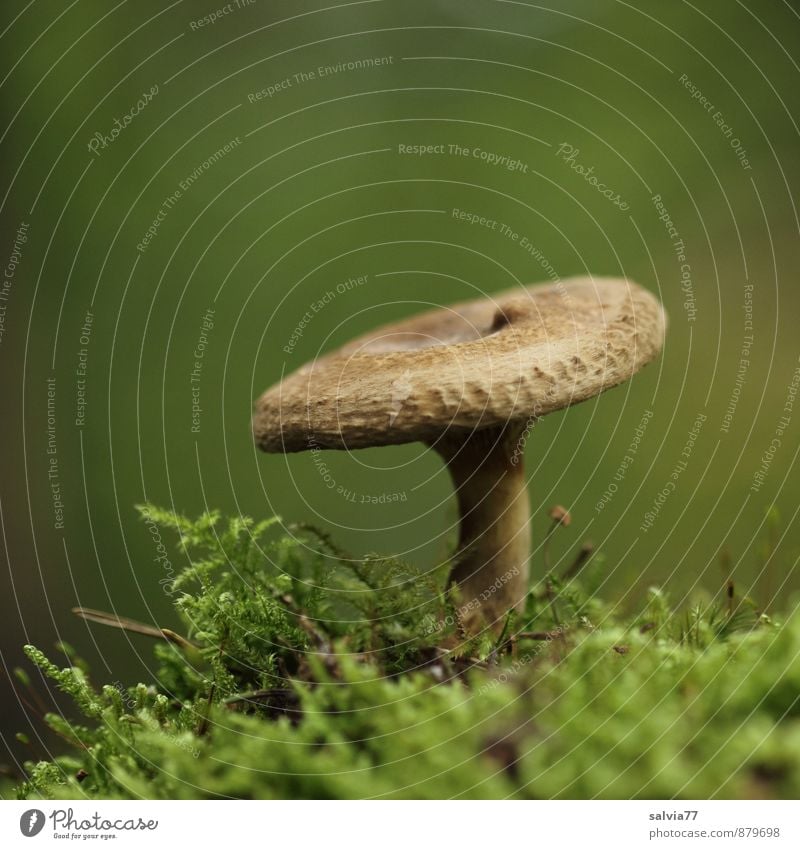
column 470, row 381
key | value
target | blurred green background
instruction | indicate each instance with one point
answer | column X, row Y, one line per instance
column 697, row 104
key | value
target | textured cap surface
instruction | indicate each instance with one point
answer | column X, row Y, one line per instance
column 506, row 357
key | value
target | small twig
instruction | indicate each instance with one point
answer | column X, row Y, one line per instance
column 540, row 635
column 501, row 640
column 546, row 546
column 306, row 624
column 324, row 537
column 131, row 625
column 560, row 516
column 26, row 682
column 581, row 559
column 319, row 641
column 255, row 695
column 551, row 595
column 202, row 726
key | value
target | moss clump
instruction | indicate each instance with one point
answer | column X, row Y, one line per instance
column 305, row 674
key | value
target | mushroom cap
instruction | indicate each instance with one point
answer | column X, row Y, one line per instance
column 503, row 358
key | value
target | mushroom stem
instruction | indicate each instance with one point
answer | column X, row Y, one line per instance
column 491, row 564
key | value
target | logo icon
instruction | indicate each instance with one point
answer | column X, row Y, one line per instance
column 31, row 822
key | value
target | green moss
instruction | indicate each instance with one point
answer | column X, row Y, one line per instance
column 306, row 674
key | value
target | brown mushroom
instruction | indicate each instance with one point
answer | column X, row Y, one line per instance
column 470, row 380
